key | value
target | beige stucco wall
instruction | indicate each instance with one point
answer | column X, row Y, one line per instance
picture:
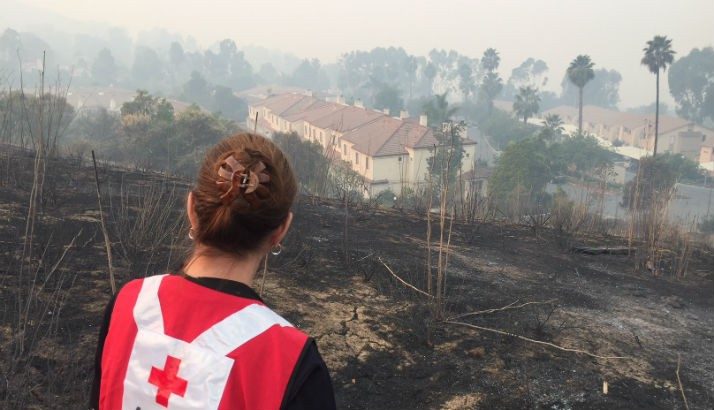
column 469, row 155
column 417, row 166
column 706, row 154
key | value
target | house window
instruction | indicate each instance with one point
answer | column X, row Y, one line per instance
column 356, row 158
column 366, row 162
column 344, row 149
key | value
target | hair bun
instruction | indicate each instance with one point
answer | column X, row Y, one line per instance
column 243, row 181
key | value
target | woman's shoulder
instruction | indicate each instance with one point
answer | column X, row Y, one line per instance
column 285, row 328
column 131, row 289
column 137, row 282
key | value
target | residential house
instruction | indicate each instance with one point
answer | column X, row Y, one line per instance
column 390, row 153
column 676, row 135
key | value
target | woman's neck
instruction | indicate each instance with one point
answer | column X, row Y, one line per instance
column 214, row 264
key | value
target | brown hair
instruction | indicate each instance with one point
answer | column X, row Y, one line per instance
column 232, row 216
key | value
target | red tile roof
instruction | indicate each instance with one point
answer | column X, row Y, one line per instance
column 281, row 103
column 389, row 136
column 611, row 118
column 314, row 112
column 346, row 118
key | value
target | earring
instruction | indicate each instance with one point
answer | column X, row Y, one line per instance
column 191, row 235
column 276, row 249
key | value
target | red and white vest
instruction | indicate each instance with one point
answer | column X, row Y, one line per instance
column 175, row 344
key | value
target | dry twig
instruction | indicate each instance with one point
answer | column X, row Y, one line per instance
column 507, row 307
column 104, row 228
column 403, row 281
column 540, row 342
column 679, row 381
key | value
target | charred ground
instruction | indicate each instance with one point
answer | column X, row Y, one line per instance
column 377, row 336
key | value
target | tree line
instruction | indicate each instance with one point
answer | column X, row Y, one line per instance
column 382, row 78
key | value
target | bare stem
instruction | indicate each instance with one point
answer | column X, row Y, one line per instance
column 679, row 381
column 403, row 281
column 540, row 342
column 507, row 307
column 104, row 228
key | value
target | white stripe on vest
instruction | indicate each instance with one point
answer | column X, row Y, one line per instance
column 165, row 372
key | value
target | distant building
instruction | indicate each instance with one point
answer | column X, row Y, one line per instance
column 261, row 92
column 110, row 98
column 676, row 135
column 475, row 181
column 706, row 154
column 706, row 158
column 390, row 153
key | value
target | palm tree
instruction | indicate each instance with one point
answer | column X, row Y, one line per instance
column 438, row 110
column 430, row 72
column 580, row 72
column 526, row 103
column 658, row 54
column 490, row 60
column 491, row 86
column 552, row 127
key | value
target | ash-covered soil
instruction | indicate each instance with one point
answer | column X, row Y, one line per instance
column 383, row 346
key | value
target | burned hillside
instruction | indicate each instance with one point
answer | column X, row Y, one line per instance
column 552, row 327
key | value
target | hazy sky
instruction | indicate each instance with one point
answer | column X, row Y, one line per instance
column 612, row 32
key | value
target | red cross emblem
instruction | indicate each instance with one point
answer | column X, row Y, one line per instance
column 167, row 381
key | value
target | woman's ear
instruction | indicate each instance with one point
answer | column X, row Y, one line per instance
column 282, row 230
column 191, row 211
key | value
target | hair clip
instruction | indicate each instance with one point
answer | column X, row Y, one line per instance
column 240, row 178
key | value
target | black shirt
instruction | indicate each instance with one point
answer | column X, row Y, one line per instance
column 310, row 386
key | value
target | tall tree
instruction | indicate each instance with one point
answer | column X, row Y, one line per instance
column 523, row 167
column 438, row 110
column 389, row 97
column 580, row 72
column 490, row 60
column 491, row 86
column 197, row 90
column 148, row 69
column 530, row 73
column 691, row 82
column 658, row 55
column 527, row 103
column 552, row 128
column 603, row 90
column 466, row 80
column 176, row 54
column 309, row 74
column 411, row 66
column 430, row 72
column 104, row 69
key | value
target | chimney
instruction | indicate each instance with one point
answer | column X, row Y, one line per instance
column 358, row 103
column 423, row 120
column 385, row 111
column 403, row 115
